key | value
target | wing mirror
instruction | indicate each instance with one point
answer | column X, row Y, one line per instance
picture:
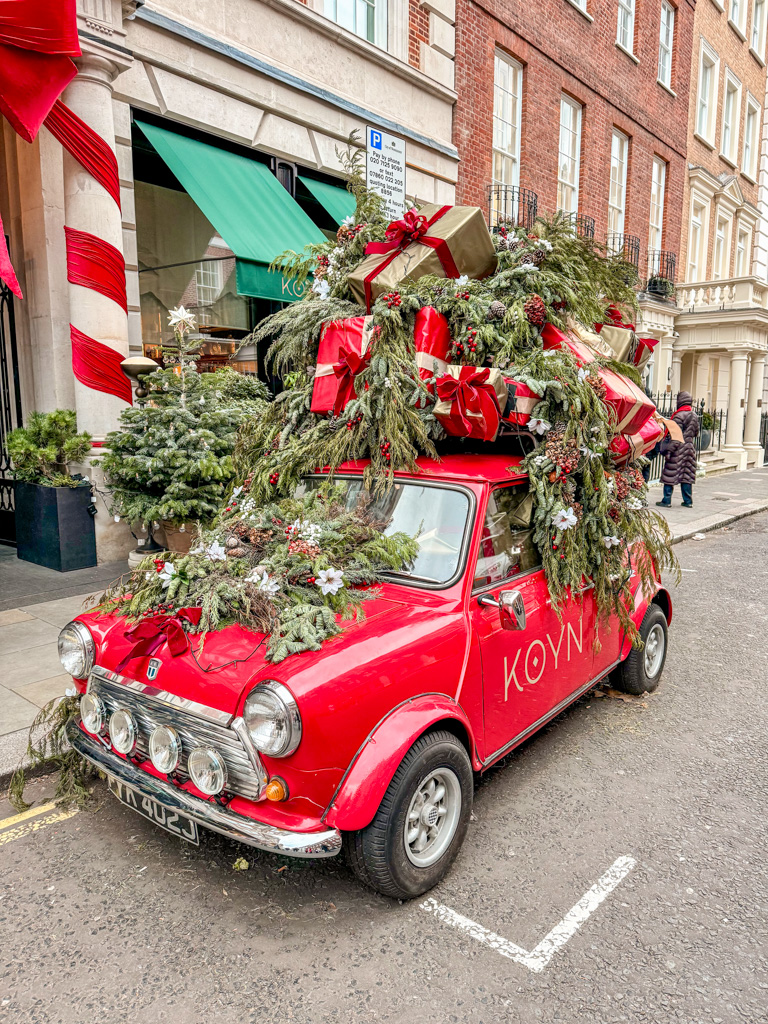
column 511, row 608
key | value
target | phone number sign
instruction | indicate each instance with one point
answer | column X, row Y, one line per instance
column 385, row 169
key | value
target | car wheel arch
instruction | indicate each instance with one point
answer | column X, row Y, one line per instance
column 663, row 599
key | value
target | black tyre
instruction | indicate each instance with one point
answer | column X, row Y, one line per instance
column 641, row 671
column 421, row 822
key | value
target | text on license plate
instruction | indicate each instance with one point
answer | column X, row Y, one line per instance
column 172, row 821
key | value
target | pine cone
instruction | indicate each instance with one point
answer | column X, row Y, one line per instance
column 260, row 538
column 565, row 454
column 535, row 311
column 496, row 310
column 535, row 256
column 598, row 386
column 236, row 552
column 233, row 542
column 303, row 547
column 622, row 486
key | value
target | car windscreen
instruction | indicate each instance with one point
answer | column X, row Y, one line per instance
column 435, row 516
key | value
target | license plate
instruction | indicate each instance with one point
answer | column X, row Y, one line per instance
column 177, row 824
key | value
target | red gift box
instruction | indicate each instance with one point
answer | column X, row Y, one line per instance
column 521, row 402
column 630, row 407
column 470, row 401
column 343, row 353
column 554, row 338
column 432, row 340
column 624, row 447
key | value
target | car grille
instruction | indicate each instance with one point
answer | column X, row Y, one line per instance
column 242, row 778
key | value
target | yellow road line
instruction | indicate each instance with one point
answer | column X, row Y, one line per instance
column 31, row 813
column 27, row 828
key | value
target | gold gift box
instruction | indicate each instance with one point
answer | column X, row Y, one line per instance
column 468, row 238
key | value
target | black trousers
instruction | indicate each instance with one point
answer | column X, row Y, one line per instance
column 687, row 491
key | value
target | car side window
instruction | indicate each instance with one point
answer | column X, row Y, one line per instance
column 506, row 545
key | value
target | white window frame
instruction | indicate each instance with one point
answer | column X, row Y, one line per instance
column 729, row 132
column 617, row 185
column 697, row 254
column 739, row 19
column 721, row 250
column 565, row 185
column 512, row 127
column 625, row 26
column 707, row 103
column 348, row 18
column 666, row 43
column 742, row 267
column 656, row 223
column 751, row 147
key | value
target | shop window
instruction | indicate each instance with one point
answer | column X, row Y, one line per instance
column 617, row 198
column 507, row 96
column 751, row 137
column 666, row 38
column 656, row 226
column 366, row 18
column 731, row 111
column 569, row 156
column 709, row 67
column 625, row 30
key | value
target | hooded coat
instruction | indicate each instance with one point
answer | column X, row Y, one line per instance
column 680, row 456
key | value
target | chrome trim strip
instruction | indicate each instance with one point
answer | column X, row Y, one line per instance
column 550, row 714
column 210, row 815
column 162, row 696
column 239, row 726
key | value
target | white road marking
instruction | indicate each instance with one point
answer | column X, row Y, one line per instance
column 538, row 958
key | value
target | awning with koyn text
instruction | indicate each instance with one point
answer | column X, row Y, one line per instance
column 246, row 204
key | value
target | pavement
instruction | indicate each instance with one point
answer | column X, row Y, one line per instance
column 626, row 839
column 36, row 602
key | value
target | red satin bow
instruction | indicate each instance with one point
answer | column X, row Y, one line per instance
column 350, row 364
column 152, row 633
column 409, row 229
column 470, row 394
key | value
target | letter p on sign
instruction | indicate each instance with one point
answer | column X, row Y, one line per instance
column 375, row 140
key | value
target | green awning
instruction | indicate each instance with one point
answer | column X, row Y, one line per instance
column 337, row 201
column 247, row 205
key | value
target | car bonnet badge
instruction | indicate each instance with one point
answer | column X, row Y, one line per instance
column 153, row 668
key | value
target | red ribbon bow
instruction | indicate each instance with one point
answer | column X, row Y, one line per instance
column 152, row 633
column 401, row 234
column 471, row 394
column 350, row 364
column 409, row 229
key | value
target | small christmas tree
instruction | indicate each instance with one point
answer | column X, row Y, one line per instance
column 172, row 458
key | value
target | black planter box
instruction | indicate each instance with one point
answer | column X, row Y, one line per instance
column 54, row 527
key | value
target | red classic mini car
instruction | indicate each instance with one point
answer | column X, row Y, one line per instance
column 370, row 743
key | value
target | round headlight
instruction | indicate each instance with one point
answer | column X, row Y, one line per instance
column 76, row 650
column 207, row 770
column 122, row 731
column 272, row 718
column 164, row 748
column 92, row 713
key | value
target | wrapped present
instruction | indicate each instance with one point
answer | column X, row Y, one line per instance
column 590, row 338
column 625, row 447
column 554, row 338
column 643, row 352
column 521, row 402
column 444, row 240
column 432, row 340
column 630, row 407
column 342, row 354
column 470, row 401
column 622, row 342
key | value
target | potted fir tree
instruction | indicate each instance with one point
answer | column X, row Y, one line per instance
column 54, row 510
column 171, row 460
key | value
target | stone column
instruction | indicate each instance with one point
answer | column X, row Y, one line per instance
column 754, row 395
column 677, row 359
column 89, row 207
column 737, row 393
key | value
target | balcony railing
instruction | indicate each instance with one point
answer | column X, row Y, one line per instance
column 627, row 246
column 662, row 267
column 511, row 206
column 585, row 226
column 733, row 293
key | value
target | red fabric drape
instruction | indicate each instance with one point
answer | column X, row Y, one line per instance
column 30, row 83
column 88, row 148
column 98, row 366
column 96, row 264
column 45, row 26
column 7, row 273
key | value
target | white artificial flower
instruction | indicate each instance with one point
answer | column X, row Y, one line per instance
column 149, row 575
column 321, row 288
column 330, row 581
column 564, row 519
column 70, row 691
column 216, row 552
column 264, row 582
column 537, row 426
column 583, row 374
column 548, row 353
column 181, row 318
column 590, row 454
column 609, row 485
column 462, row 281
column 348, row 222
column 167, row 573
column 611, row 542
column 544, row 244
column 237, row 490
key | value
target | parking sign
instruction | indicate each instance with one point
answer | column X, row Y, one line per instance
column 385, row 169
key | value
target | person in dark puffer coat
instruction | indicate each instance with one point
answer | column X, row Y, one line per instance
column 680, row 456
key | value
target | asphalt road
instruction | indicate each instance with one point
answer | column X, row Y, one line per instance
column 105, row 918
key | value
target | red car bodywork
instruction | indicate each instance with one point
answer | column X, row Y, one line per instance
column 419, row 657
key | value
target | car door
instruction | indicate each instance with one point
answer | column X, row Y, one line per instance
column 526, row 672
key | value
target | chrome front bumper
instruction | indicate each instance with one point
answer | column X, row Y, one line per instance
column 209, row 815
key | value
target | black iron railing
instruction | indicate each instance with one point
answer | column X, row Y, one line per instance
column 764, row 436
column 511, row 206
column 662, row 268
column 585, row 226
column 627, row 246
column 666, row 405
